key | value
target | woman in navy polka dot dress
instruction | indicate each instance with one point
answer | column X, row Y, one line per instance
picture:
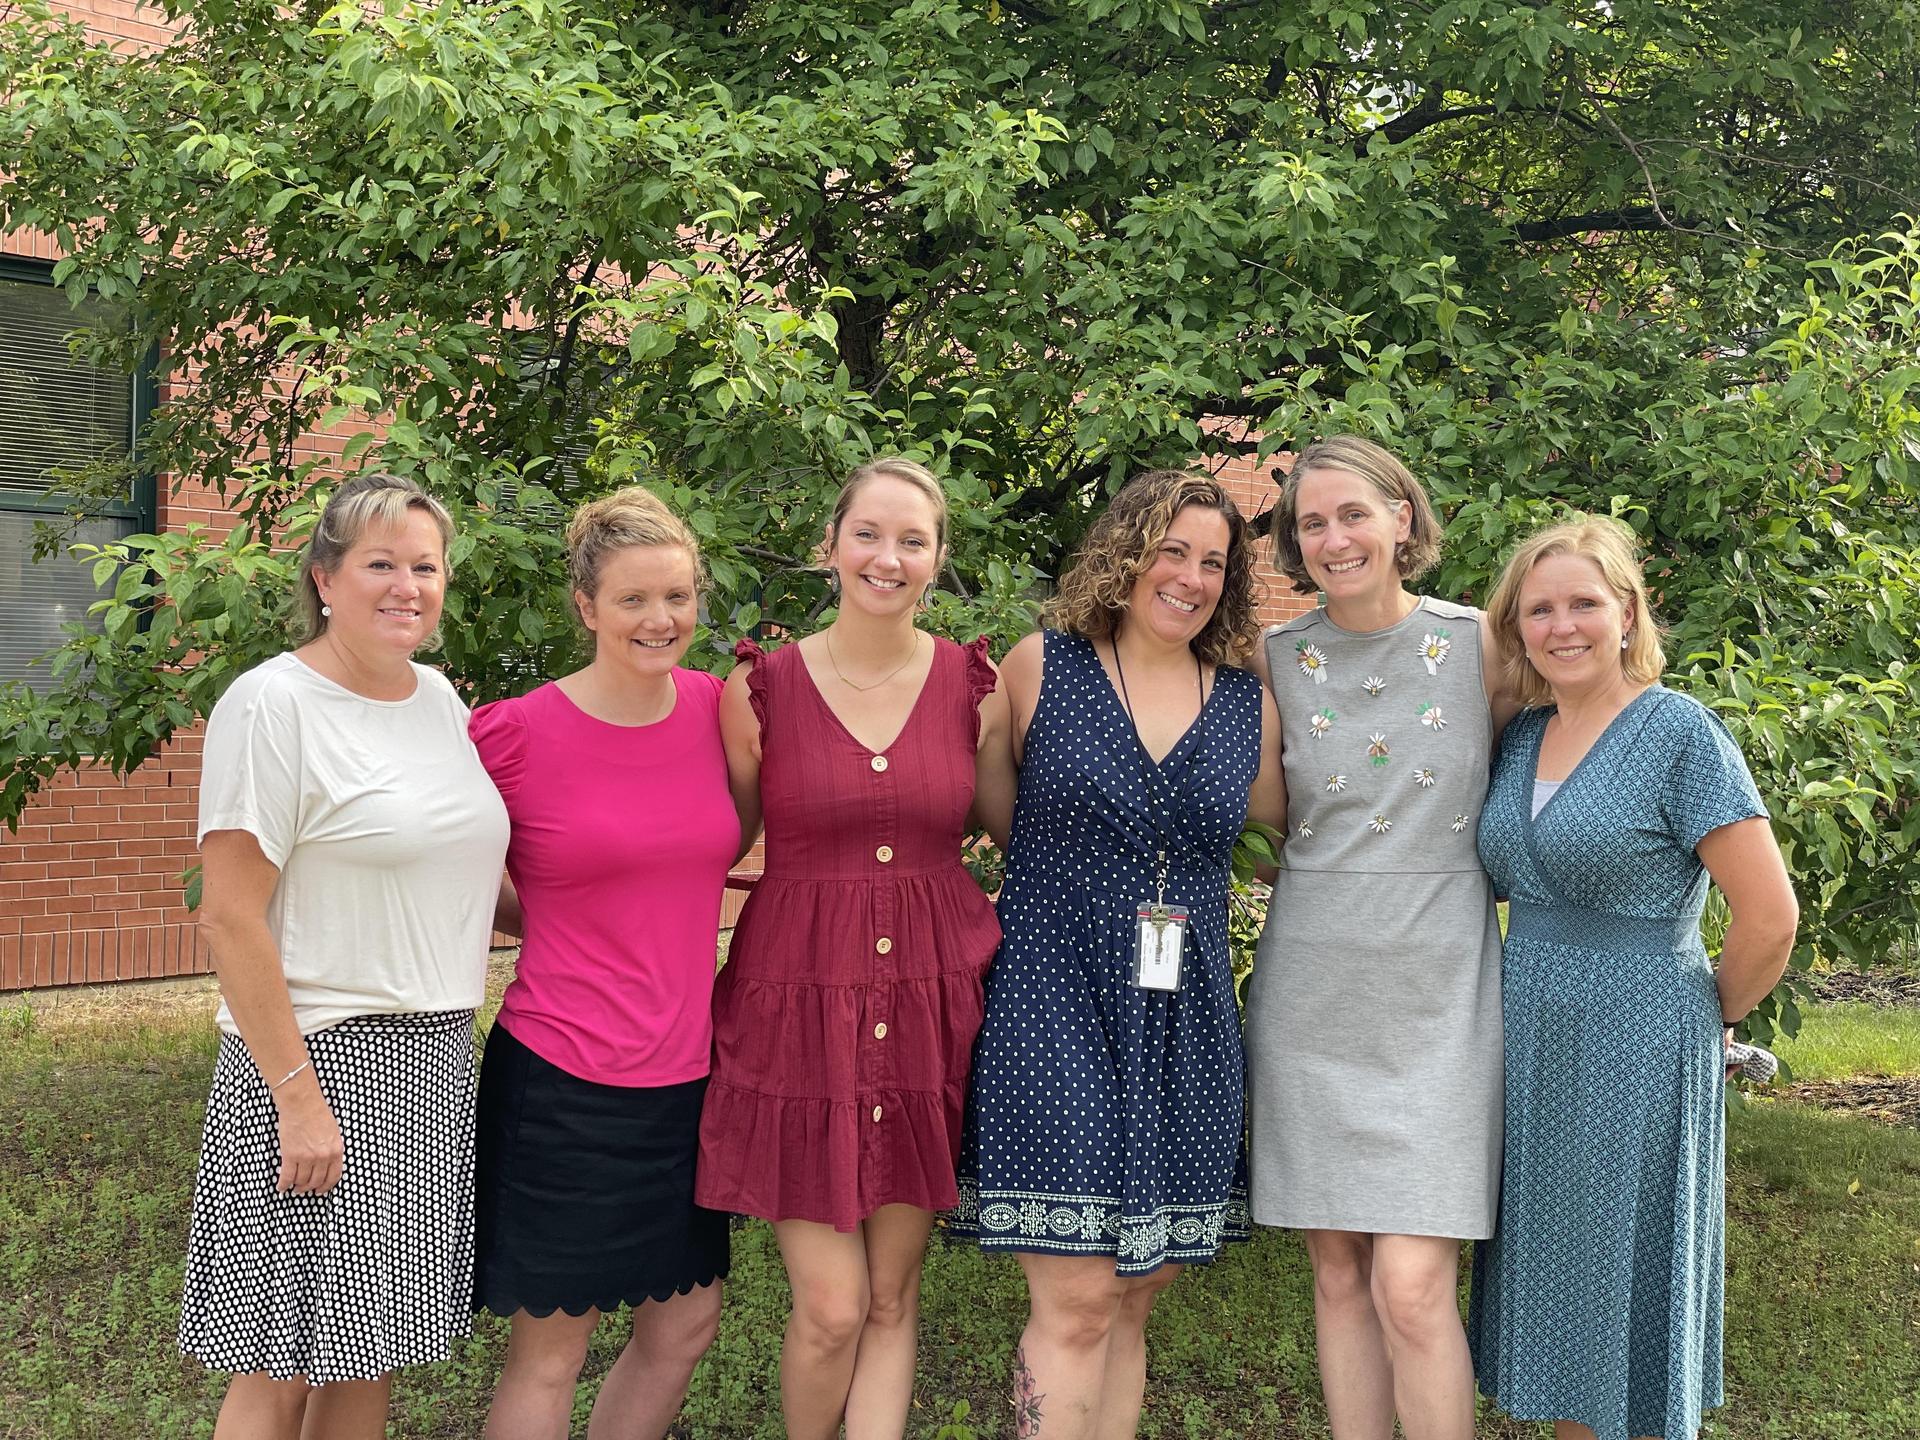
column 1105, row 1129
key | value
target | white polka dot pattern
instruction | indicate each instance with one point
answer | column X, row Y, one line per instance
column 1106, row 1119
column 377, row 1274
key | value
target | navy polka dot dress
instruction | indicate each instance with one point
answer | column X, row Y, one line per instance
column 1106, row 1119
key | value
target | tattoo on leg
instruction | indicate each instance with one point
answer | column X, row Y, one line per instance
column 1026, row 1400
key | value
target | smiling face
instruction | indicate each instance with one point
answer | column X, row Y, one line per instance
column 643, row 610
column 388, row 588
column 887, row 549
column 1571, row 623
column 1179, row 591
column 1348, row 533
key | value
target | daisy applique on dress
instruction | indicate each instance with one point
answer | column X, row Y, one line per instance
column 1431, row 717
column 1336, row 783
column 1460, row 823
column 1433, row 649
column 1318, row 725
column 1313, row 661
column 1306, row 831
column 1424, row 779
column 1377, row 750
column 1373, row 685
column 1379, row 825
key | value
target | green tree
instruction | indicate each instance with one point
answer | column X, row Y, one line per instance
column 1640, row 257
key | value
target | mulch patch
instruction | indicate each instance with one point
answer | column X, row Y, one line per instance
column 1872, row 987
column 1892, row 1100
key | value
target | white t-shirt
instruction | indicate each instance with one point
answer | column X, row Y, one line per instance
column 389, row 836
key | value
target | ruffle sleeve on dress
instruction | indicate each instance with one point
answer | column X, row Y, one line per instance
column 499, row 732
column 981, row 678
column 745, row 649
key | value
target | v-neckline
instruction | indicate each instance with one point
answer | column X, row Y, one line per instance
column 913, row 710
column 1540, row 738
column 1113, row 692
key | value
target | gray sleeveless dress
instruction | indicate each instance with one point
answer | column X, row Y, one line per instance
column 1373, row 1015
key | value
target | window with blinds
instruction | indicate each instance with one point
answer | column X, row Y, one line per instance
column 57, row 415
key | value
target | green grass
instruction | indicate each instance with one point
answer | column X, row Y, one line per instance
column 1839, row 1041
column 99, row 1125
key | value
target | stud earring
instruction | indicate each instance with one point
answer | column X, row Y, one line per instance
column 326, row 612
column 1625, row 640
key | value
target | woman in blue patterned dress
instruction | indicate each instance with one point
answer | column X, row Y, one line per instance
column 1597, row 1304
column 1105, row 1123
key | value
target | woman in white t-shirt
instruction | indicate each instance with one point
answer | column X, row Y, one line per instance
column 352, row 847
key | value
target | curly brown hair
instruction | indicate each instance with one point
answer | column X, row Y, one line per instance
column 1121, row 545
column 1419, row 553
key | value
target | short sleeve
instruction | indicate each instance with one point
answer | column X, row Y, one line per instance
column 981, row 676
column 499, row 733
column 250, row 768
column 1710, row 785
column 749, row 652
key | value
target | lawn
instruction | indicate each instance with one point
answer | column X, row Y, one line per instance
column 100, row 1127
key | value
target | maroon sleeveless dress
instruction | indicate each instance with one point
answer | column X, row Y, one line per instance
column 844, row 1019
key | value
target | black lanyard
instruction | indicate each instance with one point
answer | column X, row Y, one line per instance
column 1149, row 775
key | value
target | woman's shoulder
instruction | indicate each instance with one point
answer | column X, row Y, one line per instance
column 436, row 687
column 1453, row 610
column 1301, row 624
column 702, row 686
column 1236, row 679
column 1682, row 719
column 273, row 687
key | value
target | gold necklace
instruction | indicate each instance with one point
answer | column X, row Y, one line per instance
column 875, row 685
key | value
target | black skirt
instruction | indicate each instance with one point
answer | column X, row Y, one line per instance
column 584, row 1195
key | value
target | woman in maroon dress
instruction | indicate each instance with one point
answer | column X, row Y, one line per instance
column 845, row 1018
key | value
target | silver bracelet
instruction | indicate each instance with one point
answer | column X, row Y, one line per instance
column 289, row 1075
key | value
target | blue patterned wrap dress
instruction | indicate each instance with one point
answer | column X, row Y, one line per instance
column 1598, row 1299
column 1107, row 1119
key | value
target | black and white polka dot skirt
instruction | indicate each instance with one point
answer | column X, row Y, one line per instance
column 377, row 1274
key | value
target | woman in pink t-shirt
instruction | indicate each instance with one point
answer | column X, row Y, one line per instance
column 591, row 1089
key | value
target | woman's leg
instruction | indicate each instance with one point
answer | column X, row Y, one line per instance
column 534, row 1399
column 1060, row 1367
column 1126, row 1379
column 1355, row 1375
column 258, row 1407
column 882, row 1389
column 647, row 1384
column 828, row 1272
column 347, row 1410
column 1416, row 1293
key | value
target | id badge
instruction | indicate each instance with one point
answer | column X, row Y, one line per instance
column 1158, row 944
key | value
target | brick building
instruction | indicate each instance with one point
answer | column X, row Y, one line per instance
column 90, row 881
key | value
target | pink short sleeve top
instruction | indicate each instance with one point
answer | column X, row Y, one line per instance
column 622, row 838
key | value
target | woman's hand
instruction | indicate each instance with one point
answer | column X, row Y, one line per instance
column 311, row 1150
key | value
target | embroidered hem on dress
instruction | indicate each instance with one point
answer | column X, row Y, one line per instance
column 1098, row 1225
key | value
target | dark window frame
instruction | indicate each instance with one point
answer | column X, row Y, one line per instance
column 141, row 503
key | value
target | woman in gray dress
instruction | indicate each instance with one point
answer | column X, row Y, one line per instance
column 1373, row 1019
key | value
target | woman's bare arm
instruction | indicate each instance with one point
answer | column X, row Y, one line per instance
column 236, row 884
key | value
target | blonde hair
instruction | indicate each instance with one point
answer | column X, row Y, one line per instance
column 895, row 467
column 624, row 520
column 1413, row 557
column 1121, row 546
column 356, row 506
column 1615, row 551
